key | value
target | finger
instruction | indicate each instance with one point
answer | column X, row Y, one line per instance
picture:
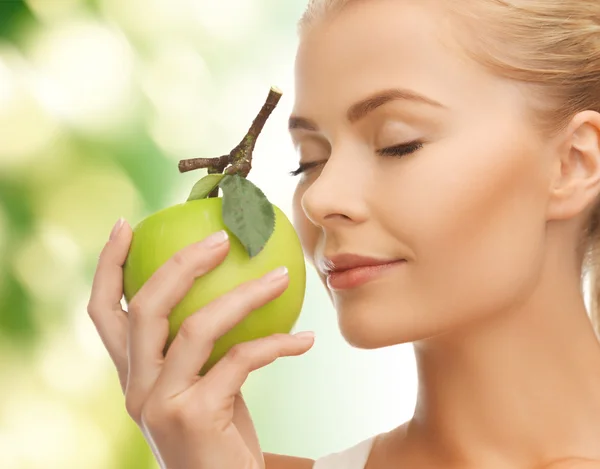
column 104, row 307
column 197, row 335
column 229, row 374
column 149, row 309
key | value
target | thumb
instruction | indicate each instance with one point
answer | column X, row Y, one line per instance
column 119, row 241
column 108, row 281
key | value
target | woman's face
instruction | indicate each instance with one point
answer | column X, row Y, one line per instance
column 466, row 209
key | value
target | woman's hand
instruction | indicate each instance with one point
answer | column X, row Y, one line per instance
column 189, row 421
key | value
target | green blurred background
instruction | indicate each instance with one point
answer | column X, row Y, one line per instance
column 99, row 100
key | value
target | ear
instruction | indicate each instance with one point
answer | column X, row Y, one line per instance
column 576, row 180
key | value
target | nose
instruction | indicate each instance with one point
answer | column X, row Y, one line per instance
column 338, row 194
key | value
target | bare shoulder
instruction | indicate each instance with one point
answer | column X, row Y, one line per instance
column 279, row 461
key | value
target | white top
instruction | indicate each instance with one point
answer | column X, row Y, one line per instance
column 354, row 457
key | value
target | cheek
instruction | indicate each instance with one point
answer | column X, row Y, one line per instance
column 474, row 218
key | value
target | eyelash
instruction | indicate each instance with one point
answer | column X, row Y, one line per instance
column 397, row 151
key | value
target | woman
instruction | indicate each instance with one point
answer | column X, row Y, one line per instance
column 457, row 142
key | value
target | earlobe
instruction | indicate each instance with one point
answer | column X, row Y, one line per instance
column 577, row 183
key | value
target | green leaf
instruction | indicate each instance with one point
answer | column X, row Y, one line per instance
column 205, row 186
column 247, row 213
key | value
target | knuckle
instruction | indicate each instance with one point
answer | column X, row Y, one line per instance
column 180, row 259
column 156, row 414
column 254, row 286
column 241, row 290
column 258, row 290
column 238, row 353
column 135, row 308
column 102, row 254
column 190, row 327
column 150, row 418
column 275, row 354
column 231, row 301
column 133, row 407
column 93, row 311
column 246, row 296
column 274, row 345
column 251, row 301
column 272, row 348
column 178, row 413
column 192, row 259
column 152, row 415
column 278, row 337
column 196, row 329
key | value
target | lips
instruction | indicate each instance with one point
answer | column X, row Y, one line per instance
column 356, row 276
column 344, row 262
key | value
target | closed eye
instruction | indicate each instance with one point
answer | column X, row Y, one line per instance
column 396, row 150
column 303, row 167
column 401, row 150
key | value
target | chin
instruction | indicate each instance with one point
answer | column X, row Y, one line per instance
column 376, row 317
column 373, row 324
column 368, row 339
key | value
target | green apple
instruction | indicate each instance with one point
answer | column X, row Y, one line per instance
column 160, row 235
column 260, row 235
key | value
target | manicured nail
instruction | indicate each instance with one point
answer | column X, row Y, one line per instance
column 275, row 275
column 305, row 335
column 115, row 231
column 215, row 239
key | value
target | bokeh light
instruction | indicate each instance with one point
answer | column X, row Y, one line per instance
column 55, row 10
column 225, row 20
column 74, row 205
column 179, row 86
column 148, row 21
column 26, row 126
column 39, row 435
column 85, row 74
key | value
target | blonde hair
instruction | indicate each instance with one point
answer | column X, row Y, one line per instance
column 553, row 48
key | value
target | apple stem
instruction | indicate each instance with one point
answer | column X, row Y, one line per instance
column 218, row 164
column 240, row 158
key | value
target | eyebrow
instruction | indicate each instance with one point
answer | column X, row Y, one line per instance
column 360, row 109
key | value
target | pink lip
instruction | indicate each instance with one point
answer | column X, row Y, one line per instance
column 346, row 261
column 352, row 278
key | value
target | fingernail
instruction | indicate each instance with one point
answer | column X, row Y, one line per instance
column 115, row 231
column 215, row 239
column 305, row 335
column 275, row 275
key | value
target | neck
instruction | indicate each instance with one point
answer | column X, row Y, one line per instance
column 518, row 389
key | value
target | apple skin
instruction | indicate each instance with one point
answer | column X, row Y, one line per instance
column 162, row 234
